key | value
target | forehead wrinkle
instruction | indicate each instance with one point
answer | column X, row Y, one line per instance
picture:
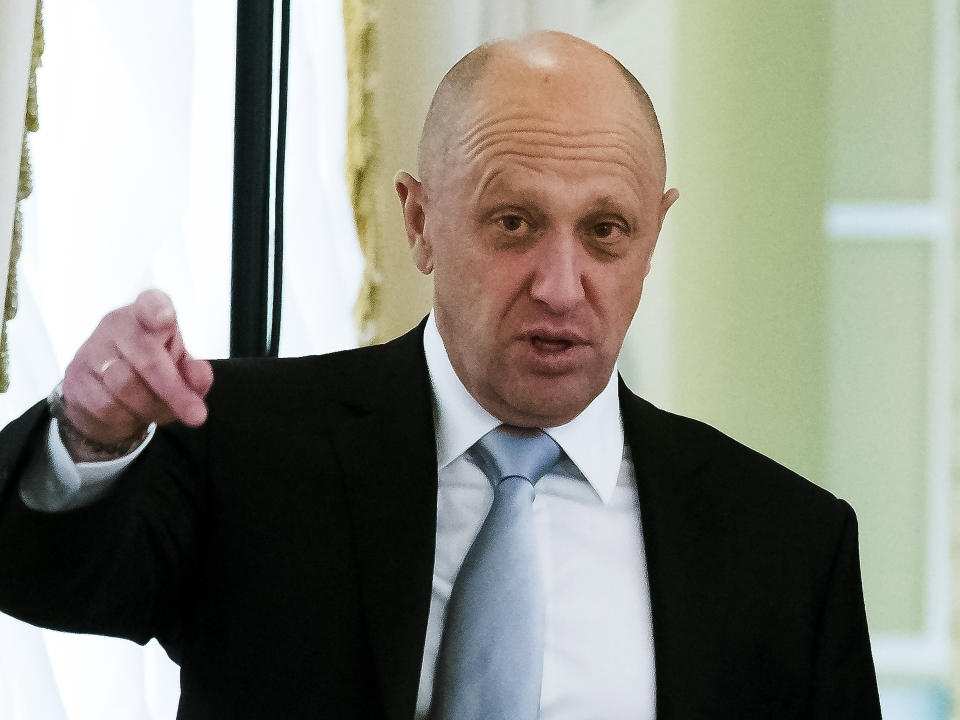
column 530, row 162
column 524, row 122
column 631, row 167
column 489, row 136
column 544, row 123
column 536, row 136
column 552, row 147
column 539, row 136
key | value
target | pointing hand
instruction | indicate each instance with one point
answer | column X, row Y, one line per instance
column 132, row 371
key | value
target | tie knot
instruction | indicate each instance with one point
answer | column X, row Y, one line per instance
column 508, row 451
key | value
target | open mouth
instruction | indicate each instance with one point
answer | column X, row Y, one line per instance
column 555, row 353
column 550, row 344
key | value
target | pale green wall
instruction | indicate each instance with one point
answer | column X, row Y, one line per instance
column 813, row 350
column 881, row 101
column 877, row 420
column 880, row 302
column 751, row 164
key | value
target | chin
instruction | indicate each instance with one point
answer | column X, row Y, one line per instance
column 554, row 407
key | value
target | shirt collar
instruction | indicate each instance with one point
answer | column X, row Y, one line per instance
column 593, row 440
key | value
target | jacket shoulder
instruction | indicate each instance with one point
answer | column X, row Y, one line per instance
column 357, row 378
column 721, row 466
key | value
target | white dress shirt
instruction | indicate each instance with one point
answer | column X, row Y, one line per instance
column 52, row 482
column 598, row 660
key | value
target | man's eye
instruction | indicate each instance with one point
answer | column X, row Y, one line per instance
column 604, row 230
column 511, row 223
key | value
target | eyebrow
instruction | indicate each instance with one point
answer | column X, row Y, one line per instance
column 499, row 181
column 606, row 201
column 609, row 204
column 497, row 184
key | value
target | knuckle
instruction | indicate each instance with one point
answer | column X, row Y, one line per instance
column 71, row 375
column 113, row 318
column 135, row 349
column 115, row 325
column 152, row 364
column 121, row 381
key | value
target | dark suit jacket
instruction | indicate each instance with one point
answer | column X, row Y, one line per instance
column 283, row 553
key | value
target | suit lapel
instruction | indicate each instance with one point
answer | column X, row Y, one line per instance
column 684, row 565
column 389, row 460
column 388, row 456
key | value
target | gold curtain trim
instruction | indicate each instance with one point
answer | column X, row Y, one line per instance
column 24, row 188
column 359, row 18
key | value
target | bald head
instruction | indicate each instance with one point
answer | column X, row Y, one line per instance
column 539, row 205
column 540, row 58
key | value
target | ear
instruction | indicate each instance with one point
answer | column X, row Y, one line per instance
column 412, row 200
column 668, row 199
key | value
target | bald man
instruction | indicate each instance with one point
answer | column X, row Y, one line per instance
column 294, row 535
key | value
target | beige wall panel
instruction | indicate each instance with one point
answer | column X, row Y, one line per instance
column 417, row 42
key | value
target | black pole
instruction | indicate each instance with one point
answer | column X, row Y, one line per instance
column 251, row 178
column 273, row 345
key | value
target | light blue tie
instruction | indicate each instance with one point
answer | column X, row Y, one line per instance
column 490, row 664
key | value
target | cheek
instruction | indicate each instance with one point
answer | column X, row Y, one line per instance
column 617, row 296
column 467, row 268
column 463, row 295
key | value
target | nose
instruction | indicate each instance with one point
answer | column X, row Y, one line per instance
column 558, row 273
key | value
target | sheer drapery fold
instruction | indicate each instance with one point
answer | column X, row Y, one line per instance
column 133, row 189
column 21, row 44
column 359, row 19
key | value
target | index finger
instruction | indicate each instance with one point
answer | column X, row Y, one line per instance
column 154, row 311
column 152, row 362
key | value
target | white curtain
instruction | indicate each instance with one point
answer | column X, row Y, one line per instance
column 133, row 189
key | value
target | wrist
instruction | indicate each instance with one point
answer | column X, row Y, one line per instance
column 81, row 447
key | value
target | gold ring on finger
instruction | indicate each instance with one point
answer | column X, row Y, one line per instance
column 105, row 366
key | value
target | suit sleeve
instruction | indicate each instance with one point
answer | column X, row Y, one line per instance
column 845, row 684
column 117, row 566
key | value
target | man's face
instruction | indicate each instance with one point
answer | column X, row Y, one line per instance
column 539, row 234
